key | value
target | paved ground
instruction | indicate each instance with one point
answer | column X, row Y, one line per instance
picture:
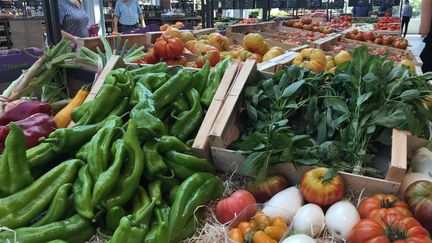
column 417, row 43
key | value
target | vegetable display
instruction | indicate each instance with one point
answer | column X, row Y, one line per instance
column 348, row 114
column 130, row 173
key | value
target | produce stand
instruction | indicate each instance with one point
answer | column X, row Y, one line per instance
column 153, row 35
column 93, row 42
column 227, row 129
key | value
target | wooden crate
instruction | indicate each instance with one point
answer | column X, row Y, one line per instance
column 227, row 128
column 201, row 145
column 93, row 42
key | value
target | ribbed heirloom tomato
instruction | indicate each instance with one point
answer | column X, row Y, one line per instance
column 168, row 48
column 382, row 204
column 391, row 228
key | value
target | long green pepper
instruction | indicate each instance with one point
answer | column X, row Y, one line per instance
column 213, row 82
column 188, row 121
column 128, row 232
column 17, row 210
column 99, row 148
column 171, row 89
column 130, row 178
column 75, row 229
column 107, row 179
column 82, row 190
column 200, row 78
column 14, row 169
column 58, row 208
column 185, row 165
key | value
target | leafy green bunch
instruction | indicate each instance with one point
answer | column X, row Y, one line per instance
column 332, row 120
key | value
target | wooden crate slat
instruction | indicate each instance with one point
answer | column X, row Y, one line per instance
column 201, row 145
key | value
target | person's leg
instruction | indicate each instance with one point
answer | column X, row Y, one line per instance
column 426, row 57
column 402, row 25
column 406, row 25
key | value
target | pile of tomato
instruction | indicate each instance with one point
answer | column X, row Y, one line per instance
column 261, row 229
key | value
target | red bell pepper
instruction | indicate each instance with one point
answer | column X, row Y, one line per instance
column 24, row 110
column 34, row 127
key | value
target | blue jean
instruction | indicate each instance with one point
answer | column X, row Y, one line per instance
column 126, row 28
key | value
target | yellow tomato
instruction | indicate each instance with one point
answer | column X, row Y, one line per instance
column 235, row 234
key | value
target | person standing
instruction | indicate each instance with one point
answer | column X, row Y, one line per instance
column 406, row 14
column 73, row 20
column 425, row 30
column 362, row 11
column 127, row 16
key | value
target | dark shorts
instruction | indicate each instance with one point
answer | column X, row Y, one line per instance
column 126, row 28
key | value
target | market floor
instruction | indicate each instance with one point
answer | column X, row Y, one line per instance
column 417, row 43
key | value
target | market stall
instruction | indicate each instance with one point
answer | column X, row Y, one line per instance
column 292, row 131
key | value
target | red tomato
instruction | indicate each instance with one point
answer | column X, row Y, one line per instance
column 168, row 48
column 323, row 193
column 264, row 190
column 208, row 53
column 419, row 198
column 381, row 204
column 390, row 228
column 227, row 209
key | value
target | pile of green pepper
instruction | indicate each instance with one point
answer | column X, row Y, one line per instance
column 123, row 170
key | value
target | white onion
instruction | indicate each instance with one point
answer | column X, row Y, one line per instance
column 284, row 204
column 309, row 220
column 300, row 238
column 340, row 218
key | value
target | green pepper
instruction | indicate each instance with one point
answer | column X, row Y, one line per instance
column 80, row 111
column 185, row 165
column 57, row 241
column 143, row 215
column 200, row 78
column 155, row 192
column 58, row 208
column 144, row 113
column 196, row 190
column 122, row 108
column 14, row 169
column 113, row 217
column 140, row 199
column 122, row 79
column 83, row 152
column 213, row 82
column 17, row 210
column 153, row 163
column 158, row 234
column 65, row 140
column 188, row 121
column 167, row 182
column 190, row 228
column 153, row 81
column 105, row 101
column 41, row 154
column 160, row 67
column 171, row 89
column 181, row 104
column 162, row 212
column 82, row 189
column 107, row 179
column 167, row 143
column 75, row 229
column 130, row 178
column 99, row 148
column 173, row 194
column 128, row 232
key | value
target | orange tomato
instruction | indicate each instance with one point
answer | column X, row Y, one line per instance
column 235, row 234
column 279, row 222
column 262, row 220
column 252, row 223
column 261, row 237
column 245, row 228
column 275, row 232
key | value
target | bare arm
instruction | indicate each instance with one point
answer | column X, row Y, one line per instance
column 68, row 36
column 426, row 17
column 115, row 22
column 142, row 20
